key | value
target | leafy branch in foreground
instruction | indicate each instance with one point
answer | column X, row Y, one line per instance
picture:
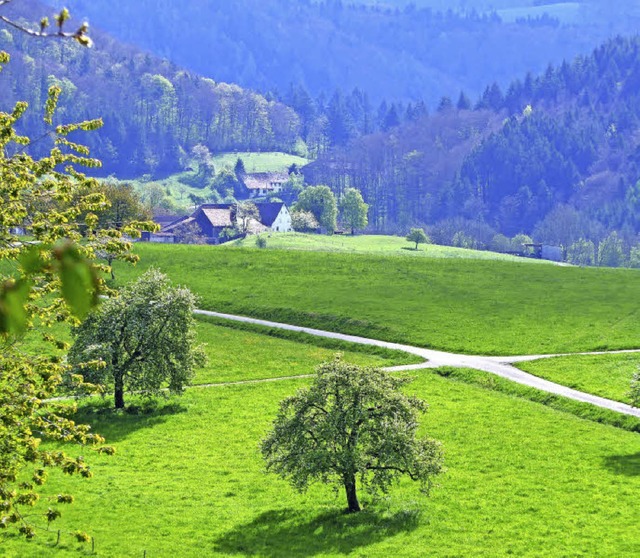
column 80, row 34
column 352, row 423
column 45, row 278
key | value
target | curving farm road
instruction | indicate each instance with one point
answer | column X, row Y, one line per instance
column 500, row 366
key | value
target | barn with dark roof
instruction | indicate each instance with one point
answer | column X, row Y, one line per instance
column 213, row 218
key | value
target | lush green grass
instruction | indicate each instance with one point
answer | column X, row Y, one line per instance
column 605, row 375
column 577, row 408
column 522, row 480
column 460, row 305
column 259, row 162
column 236, row 355
column 371, row 244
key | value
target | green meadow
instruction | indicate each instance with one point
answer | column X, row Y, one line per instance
column 526, row 475
column 236, row 355
column 370, row 244
column 604, row 375
column 269, row 161
column 460, row 305
column 188, row 481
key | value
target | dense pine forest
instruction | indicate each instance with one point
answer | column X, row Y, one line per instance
column 557, row 151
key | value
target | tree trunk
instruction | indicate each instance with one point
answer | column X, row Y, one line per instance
column 118, row 395
column 416, row 245
column 352, row 497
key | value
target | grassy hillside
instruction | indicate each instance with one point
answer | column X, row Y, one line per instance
column 370, row 244
column 605, row 375
column 522, row 480
column 460, row 305
column 259, row 161
column 178, row 187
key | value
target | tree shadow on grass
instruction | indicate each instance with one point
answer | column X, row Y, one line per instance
column 628, row 465
column 116, row 425
column 292, row 533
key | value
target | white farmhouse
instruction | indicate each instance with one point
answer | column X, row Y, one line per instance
column 275, row 216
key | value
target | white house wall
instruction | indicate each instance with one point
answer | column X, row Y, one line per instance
column 283, row 221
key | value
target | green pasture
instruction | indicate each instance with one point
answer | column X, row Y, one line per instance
column 370, row 244
column 188, row 481
column 235, row 355
column 604, row 375
column 460, row 305
column 259, row 161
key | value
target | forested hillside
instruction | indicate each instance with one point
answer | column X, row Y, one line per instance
column 555, row 156
column 153, row 111
column 395, row 54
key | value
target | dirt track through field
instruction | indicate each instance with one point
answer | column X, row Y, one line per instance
column 500, row 366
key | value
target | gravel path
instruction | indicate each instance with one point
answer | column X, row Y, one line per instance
column 500, row 366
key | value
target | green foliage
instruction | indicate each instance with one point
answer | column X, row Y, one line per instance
column 304, row 221
column 581, row 252
column 141, row 340
column 611, row 252
column 352, row 423
column 418, row 236
column 320, row 201
column 261, row 241
column 515, row 479
column 353, row 210
column 247, row 215
column 226, row 183
column 124, row 206
column 48, row 279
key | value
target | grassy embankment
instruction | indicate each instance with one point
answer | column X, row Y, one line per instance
column 604, row 375
column 460, row 305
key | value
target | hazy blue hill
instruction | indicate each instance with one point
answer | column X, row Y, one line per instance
column 154, row 112
column 406, row 53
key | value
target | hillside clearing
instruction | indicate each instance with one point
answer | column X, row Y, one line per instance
column 457, row 305
column 371, row 244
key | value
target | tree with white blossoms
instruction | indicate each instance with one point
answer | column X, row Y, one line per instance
column 141, row 340
column 352, row 424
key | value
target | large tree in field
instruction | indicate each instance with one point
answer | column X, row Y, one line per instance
column 353, row 210
column 142, row 340
column 320, row 201
column 352, row 424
